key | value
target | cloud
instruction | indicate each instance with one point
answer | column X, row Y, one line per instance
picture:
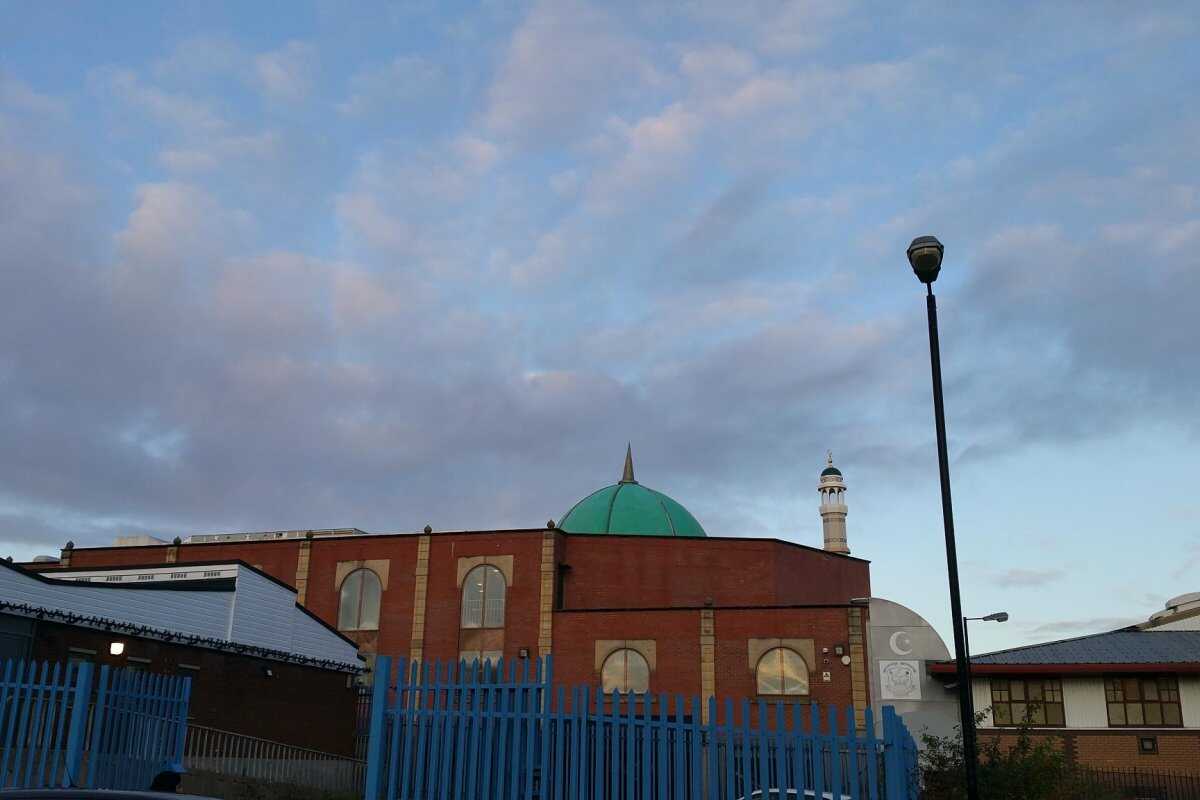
column 186, row 114
column 287, row 73
column 218, row 153
column 1069, row 627
column 396, row 84
column 1017, row 576
column 680, row 234
column 15, row 94
column 564, row 66
column 1190, row 562
column 176, row 223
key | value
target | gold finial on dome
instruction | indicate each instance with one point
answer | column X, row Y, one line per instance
column 627, row 474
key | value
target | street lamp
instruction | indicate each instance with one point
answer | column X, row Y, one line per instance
column 925, row 256
column 999, row 616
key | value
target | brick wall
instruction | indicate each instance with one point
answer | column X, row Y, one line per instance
column 443, row 612
column 1178, row 750
column 676, row 634
column 230, row 691
column 635, row 580
column 641, row 571
column 827, row 627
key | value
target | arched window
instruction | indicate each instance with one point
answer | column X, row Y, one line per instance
column 483, row 598
column 358, row 608
column 625, row 671
column 782, row 671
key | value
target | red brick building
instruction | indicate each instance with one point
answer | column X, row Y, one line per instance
column 627, row 590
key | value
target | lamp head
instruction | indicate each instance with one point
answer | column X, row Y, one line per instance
column 999, row 616
column 925, row 256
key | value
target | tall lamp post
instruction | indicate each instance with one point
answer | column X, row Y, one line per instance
column 925, row 256
column 999, row 616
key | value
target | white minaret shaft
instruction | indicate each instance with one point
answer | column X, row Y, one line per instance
column 833, row 507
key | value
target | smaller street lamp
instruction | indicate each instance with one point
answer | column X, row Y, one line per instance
column 998, row 616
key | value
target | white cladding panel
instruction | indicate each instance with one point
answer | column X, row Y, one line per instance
column 314, row 639
column 259, row 612
column 981, row 693
column 262, row 613
column 198, row 613
column 1083, row 702
column 1189, row 700
column 266, row 615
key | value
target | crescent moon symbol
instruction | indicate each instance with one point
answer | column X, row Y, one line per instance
column 900, row 649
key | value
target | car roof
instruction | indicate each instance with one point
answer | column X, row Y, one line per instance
column 92, row 794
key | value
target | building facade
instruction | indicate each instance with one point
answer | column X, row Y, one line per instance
column 1123, row 699
column 626, row 591
column 205, row 621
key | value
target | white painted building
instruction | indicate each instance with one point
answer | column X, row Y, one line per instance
column 228, row 603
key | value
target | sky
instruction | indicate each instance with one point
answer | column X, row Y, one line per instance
column 276, row 266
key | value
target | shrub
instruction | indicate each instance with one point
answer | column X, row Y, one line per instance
column 1026, row 770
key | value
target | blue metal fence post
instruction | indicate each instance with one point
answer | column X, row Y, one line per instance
column 99, row 716
column 872, row 756
column 383, row 676
column 182, row 704
column 892, row 757
column 73, row 758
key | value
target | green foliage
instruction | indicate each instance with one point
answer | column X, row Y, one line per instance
column 1020, row 770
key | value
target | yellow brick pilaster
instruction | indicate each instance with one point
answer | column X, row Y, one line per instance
column 416, row 648
column 708, row 660
column 858, row 665
column 302, row 558
column 546, row 595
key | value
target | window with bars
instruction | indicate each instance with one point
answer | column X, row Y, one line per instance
column 781, row 671
column 113, row 578
column 1143, row 701
column 145, row 577
column 625, row 671
column 358, row 607
column 1036, row 701
column 483, row 598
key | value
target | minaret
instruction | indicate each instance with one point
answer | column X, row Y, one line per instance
column 833, row 507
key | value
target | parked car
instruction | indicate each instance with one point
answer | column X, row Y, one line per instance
column 92, row 794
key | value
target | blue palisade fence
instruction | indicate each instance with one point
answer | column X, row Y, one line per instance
column 458, row 730
column 73, row 725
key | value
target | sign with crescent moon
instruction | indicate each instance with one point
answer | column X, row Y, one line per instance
column 901, row 643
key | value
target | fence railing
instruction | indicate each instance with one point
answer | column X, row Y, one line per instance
column 239, row 756
column 70, row 724
column 1146, row 785
column 477, row 730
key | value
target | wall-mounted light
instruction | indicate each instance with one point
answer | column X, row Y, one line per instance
column 116, row 648
column 268, row 672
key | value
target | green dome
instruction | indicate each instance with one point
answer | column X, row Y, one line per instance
column 628, row 507
column 830, row 471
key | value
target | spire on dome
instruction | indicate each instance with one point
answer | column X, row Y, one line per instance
column 627, row 475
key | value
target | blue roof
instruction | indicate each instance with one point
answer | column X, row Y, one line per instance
column 1115, row 647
